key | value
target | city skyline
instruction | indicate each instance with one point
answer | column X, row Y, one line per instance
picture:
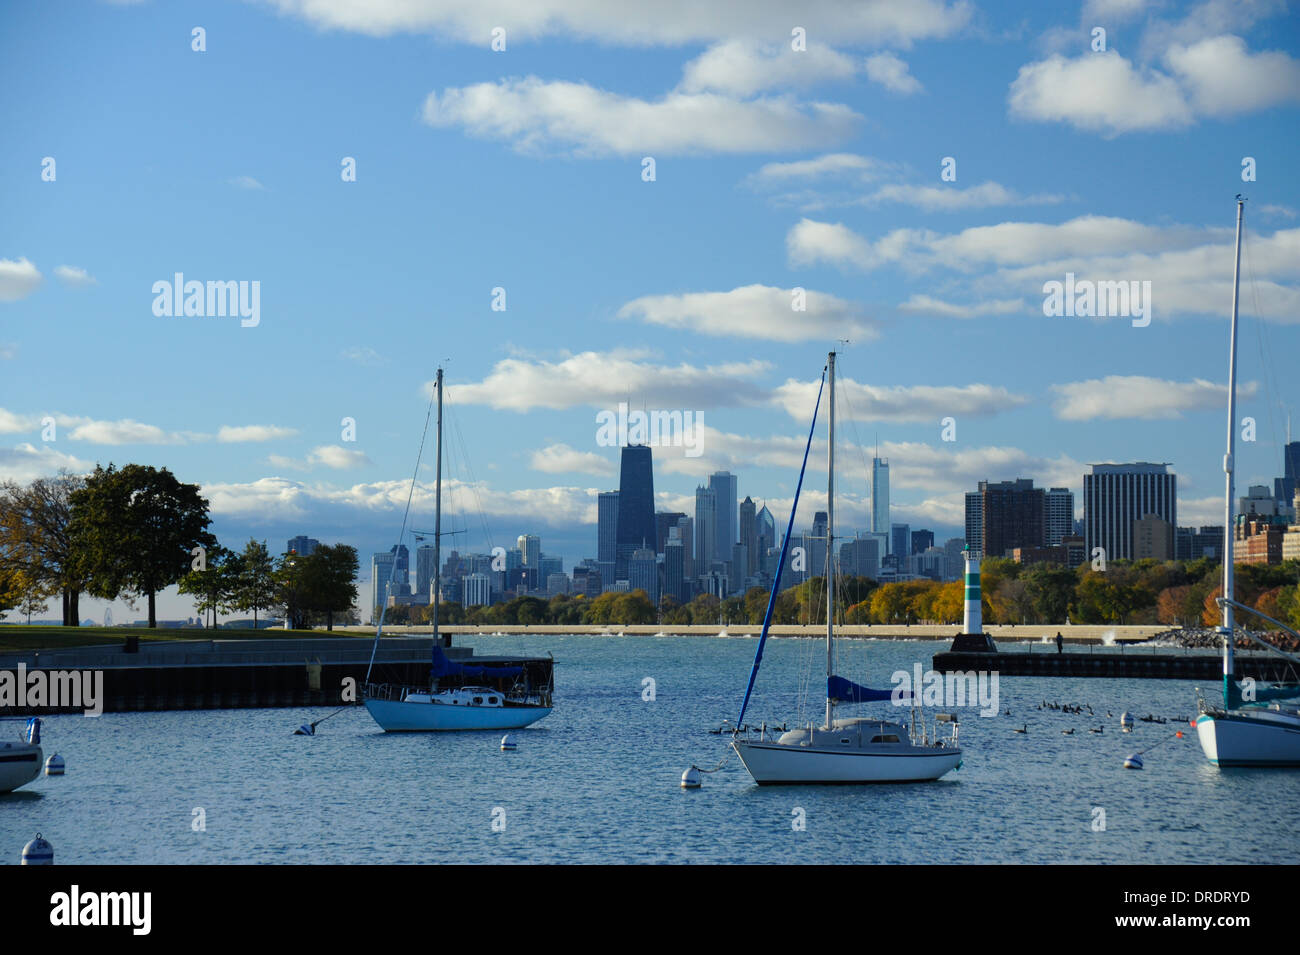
column 910, row 182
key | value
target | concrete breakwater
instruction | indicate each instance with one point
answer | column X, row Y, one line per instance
column 232, row 674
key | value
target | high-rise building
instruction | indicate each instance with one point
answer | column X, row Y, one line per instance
column 1153, row 537
column 1060, row 515
column 675, row 567
column 476, row 590
column 643, row 573
column 606, row 526
column 706, row 526
column 900, row 541
column 636, row 506
column 549, row 565
column 686, row 534
column 1116, row 495
column 424, row 570
column 922, row 541
column 956, row 559
column 663, row 521
column 302, row 546
column 814, row 545
column 1013, row 514
column 880, row 496
column 530, row 546
column 381, row 572
column 766, row 542
column 974, row 524
column 1284, row 488
column 723, row 485
column 748, row 537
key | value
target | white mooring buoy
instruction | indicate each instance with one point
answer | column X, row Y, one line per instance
column 1126, row 722
column 38, row 852
column 691, row 779
column 508, row 744
column 305, row 730
column 54, row 765
column 1133, row 762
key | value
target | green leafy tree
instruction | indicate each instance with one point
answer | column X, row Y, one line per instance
column 330, row 581
column 36, row 540
column 213, row 586
column 133, row 531
column 255, row 584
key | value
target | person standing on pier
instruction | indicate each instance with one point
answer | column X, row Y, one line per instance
column 1060, row 641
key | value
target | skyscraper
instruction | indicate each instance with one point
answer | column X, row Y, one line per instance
column 381, row 570
column 766, row 540
column 748, row 537
column 606, row 526
column 723, row 485
column 974, row 524
column 922, row 541
column 1013, row 514
column 900, row 540
column 1060, row 515
column 664, row 520
column 643, row 573
column 1116, row 495
column 706, row 527
column 424, row 570
column 302, row 546
column 530, row 545
column 402, row 574
column 636, row 506
column 880, row 495
column 1284, row 488
column 686, row 534
column 675, row 567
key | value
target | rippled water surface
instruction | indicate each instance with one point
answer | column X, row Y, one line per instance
column 598, row 780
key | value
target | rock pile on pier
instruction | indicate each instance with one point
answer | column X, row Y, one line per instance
column 1202, row 638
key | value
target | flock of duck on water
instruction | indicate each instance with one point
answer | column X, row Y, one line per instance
column 1079, row 709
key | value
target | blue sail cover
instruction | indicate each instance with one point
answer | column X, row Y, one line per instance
column 840, row 690
column 442, row 666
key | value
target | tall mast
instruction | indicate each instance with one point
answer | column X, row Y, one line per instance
column 437, row 518
column 1229, row 530
column 830, row 537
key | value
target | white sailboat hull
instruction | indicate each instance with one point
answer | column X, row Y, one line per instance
column 777, row 764
column 20, row 763
column 1237, row 738
column 407, row 717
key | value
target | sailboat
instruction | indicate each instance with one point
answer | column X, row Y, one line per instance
column 509, row 698
column 841, row 750
column 20, row 762
column 1255, row 727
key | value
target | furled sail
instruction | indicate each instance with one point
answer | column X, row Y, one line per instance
column 443, row 666
column 840, row 690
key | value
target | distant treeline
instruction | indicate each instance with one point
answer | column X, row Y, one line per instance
column 131, row 532
column 1178, row 593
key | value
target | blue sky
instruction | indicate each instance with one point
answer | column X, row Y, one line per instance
column 522, row 169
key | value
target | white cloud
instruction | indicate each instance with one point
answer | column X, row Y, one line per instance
column 26, row 462
column 1100, row 92
column 8, row 350
column 603, row 379
column 253, row 432
column 562, row 459
column 864, row 402
column 1224, row 78
column 1107, row 12
column 891, row 73
column 1138, row 396
column 74, row 275
column 669, row 22
column 862, row 168
column 363, row 355
column 536, row 115
column 125, row 431
column 954, row 198
column 755, row 311
column 810, row 242
column 246, row 182
column 339, row 458
column 743, row 67
column 928, row 305
column 18, row 279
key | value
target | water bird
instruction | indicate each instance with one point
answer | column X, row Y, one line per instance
column 1023, row 729
column 1069, row 732
column 1099, row 729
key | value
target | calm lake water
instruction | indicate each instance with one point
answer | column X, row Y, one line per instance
column 598, row 780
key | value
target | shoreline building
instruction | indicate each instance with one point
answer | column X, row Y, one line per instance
column 880, row 499
column 723, row 486
column 1013, row 515
column 636, row 506
column 1060, row 515
column 1117, row 495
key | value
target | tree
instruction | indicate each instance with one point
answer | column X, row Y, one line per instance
column 133, row 531
column 255, row 585
column 329, row 580
column 1050, row 588
column 214, row 584
column 36, row 539
column 33, row 602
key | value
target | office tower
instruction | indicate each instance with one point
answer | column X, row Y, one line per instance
column 922, row 541
column 643, row 573
column 1060, row 515
column 549, row 565
column 686, row 533
column 1153, row 538
column 880, row 495
column 675, row 567
column 636, row 506
column 401, row 570
column 1116, row 495
column 424, row 569
column 302, row 546
column 956, row 560
column 860, row 557
column 607, row 526
column 723, row 485
column 586, row 580
column 974, row 525
column 557, row 584
column 1284, row 488
column 748, row 537
column 1013, row 514
column 530, row 546
column 739, row 561
column 664, row 520
column 766, row 541
column 381, row 571
column 815, row 545
column 476, row 590
column 706, row 526
column 901, row 542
